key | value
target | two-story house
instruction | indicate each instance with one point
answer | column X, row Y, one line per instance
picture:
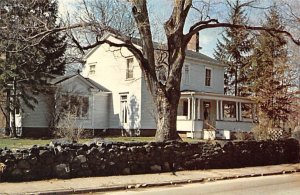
column 115, row 98
column 203, row 104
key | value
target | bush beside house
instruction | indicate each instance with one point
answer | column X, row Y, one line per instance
column 107, row 158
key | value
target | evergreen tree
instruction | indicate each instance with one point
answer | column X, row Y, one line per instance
column 28, row 62
column 269, row 72
column 234, row 51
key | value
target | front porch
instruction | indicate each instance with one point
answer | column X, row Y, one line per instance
column 200, row 113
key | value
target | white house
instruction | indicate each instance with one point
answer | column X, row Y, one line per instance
column 119, row 102
column 203, row 104
column 83, row 97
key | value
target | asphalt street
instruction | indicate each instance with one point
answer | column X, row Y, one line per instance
column 275, row 185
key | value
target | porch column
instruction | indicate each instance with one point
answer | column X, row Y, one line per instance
column 189, row 108
column 221, row 110
column 237, row 111
column 193, row 108
column 240, row 111
column 198, row 109
column 217, row 109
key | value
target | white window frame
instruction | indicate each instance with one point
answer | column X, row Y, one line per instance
column 205, row 78
column 69, row 106
column 187, row 74
column 225, row 118
column 129, row 72
column 251, row 110
column 92, row 71
column 124, row 108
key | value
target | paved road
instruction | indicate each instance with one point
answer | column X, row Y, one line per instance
column 279, row 184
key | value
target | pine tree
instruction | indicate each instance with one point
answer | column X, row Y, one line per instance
column 269, row 72
column 29, row 62
column 234, row 51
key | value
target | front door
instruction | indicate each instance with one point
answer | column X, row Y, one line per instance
column 208, row 115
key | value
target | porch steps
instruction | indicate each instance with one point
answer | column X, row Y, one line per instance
column 209, row 134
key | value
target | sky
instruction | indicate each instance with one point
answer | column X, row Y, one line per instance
column 208, row 38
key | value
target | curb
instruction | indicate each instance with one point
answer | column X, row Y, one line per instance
column 167, row 183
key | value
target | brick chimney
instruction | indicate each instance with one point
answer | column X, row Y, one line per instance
column 193, row 45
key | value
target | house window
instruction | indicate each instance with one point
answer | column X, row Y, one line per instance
column 229, row 109
column 92, row 69
column 18, row 110
column 186, row 74
column 78, row 106
column 207, row 77
column 246, row 111
column 124, row 109
column 129, row 70
column 185, row 108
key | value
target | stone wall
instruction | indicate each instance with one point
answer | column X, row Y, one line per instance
column 106, row 158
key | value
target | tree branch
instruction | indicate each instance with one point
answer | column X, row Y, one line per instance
column 213, row 23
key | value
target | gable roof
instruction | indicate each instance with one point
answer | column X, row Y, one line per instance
column 202, row 57
column 189, row 54
column 92, row 84
column 59, row 79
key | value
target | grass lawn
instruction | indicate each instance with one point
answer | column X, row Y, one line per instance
column 21, row 143
column 27, row 143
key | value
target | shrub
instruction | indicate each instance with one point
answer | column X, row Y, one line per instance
column 69, row 128
column 266, row 130
column 243, row 136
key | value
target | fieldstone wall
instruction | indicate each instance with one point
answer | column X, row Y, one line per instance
column 106, row 158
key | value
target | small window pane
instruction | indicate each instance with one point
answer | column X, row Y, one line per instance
column 229, row 109
column 207, row 77
column 186, row 74
column 129, row 70
column 85, row 107
column 92, row 69
column 247, row 111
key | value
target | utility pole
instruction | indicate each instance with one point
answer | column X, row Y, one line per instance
column 7, row 112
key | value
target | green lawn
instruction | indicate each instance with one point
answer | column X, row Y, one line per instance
column 27, row 143
column 21, row 143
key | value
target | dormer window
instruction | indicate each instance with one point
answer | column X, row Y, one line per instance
column 129, row 69
column 207, row 77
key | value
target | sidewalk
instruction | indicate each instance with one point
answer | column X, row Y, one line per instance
column 97, row 184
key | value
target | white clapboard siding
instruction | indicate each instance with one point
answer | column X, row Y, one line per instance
column 197, row 78
column 39, row 117
column 235, row 126
column 100, row 111
column 148, row 109
column 110, row 71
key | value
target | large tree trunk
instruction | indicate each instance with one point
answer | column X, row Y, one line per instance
column 165, row 96
column 167, row 117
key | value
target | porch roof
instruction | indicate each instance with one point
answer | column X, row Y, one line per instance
column 215, row 96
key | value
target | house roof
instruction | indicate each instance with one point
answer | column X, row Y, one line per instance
column 189, row 54
column 59, row 79
column 202, row 57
